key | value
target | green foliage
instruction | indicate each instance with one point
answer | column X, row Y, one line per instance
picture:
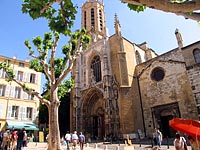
column 136, row 7
column 58, row 63
column 36, row 65
column 65, row 87
column 60, row 17
column 9, row 71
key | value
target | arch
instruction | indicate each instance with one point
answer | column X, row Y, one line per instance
column 196, row 54
column 138, row 57
column 92, row 18
column 96, row 68
column 92, row 111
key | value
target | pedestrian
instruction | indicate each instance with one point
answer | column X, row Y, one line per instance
column 157, row 137
column 20, row 137
column 74, row 140
column 180, row 142
column 5, row 140
column 25, row 139
column 13, row 140
column 81, row 140
column 194, row 142
column 68, row 139
column 1, row 137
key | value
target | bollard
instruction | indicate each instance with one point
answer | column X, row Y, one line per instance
column 87, row 144
column 95, row 146
column 117, row 148
column 105, row 147
column 125, row 143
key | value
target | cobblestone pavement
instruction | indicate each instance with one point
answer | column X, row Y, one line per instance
column 100, row 146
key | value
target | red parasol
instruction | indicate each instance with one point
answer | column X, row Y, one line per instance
column 189, row 127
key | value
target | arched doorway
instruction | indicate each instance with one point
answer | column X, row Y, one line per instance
column 93, row 112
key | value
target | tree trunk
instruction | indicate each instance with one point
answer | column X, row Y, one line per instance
column 54, row 132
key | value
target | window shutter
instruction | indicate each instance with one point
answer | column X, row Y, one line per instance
column 1, row 73
column 15, row 73
column 7, row 93
column 36, row 79
column 28, row 77
column 20, row 113
column 25, row 95
column 34, row 113
column 1, row 110
column 24, row 77
column 24, row 113
column 12, row 91
column 9, row 112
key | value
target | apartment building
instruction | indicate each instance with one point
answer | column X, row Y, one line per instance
column 17, row 108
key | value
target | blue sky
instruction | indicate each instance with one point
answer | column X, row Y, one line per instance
column 155, row 27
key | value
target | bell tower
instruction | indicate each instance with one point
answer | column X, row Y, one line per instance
column 93, row 19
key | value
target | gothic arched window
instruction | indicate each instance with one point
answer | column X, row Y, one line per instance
column 92, row 18
column 138, row 57
column 196, row 54
column 100, row 20
column 85, row 17
column 96, row 67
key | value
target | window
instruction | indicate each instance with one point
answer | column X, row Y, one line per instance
column 196, row 54
column 21, row 64
column 2, row 90
column 96, row 67
column 100, row 20
column 157, row 74
column 29, row 113
column 92, row 18
column 138, row 58
column 2, row 73
column 20, row 75
column 30, row 97
column 17, row 92
column 15, row 111
column 85, row 17
column 32, row 78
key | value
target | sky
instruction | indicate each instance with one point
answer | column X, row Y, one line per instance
column 157, row 28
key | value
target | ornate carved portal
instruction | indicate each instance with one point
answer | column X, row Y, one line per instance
column 97, row 116
column 92, row 114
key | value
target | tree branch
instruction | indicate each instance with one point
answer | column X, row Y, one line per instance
column 45, row 65
column 193, row 16
column 32, row 92
column 71, row 62
column 167, row 6
column 49, row 5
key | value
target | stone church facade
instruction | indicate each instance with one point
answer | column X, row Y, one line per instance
column 122, row 87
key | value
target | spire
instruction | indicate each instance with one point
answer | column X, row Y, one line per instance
column 179, row 39
column 117, row 26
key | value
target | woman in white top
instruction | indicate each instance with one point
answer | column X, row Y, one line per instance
column 179, row 142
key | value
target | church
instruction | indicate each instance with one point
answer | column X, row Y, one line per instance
column 122, row 87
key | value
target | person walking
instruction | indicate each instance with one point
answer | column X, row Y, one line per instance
column 157, row 137
column 68, row 139
column 81, row 140
column 20, row 137
column 74, row 140
column 180, row 142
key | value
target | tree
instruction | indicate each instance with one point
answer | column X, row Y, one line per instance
column 44, row 60
column 186, row 8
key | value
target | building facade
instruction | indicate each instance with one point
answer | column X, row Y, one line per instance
column 122, row 87
column 17, row 108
